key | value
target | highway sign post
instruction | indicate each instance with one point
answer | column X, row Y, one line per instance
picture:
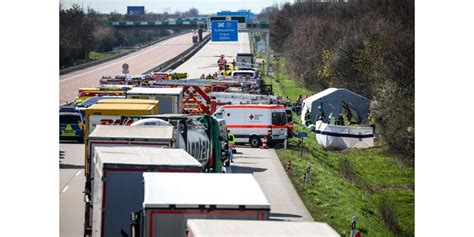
column 270, row 71
column 302, row 135
column 125, row 72
column 307, row 172
column 224, row 31
column 261, row 46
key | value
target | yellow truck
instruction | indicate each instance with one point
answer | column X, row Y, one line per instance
column 130, row 101
column 111, row 114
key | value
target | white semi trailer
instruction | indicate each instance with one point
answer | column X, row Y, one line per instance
column 228, row 228
column 117, row 183
column 171, row 199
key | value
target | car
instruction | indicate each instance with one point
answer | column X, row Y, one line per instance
column 71, row 126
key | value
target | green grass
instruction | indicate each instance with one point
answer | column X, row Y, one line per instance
column 282, row 85
column 97, row 56
column 334, row 194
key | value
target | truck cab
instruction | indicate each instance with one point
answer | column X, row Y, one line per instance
column 244, row 73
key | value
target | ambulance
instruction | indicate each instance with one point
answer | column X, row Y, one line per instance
column 250, row 123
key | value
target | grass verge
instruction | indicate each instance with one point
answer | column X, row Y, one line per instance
column 97, row 56
column 368, row 183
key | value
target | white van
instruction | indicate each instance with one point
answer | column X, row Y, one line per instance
column 244, row 73
column 251, row 122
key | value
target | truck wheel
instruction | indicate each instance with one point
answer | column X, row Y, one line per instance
column 255, row 141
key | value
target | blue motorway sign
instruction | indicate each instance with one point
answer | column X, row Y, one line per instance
column 302, row 134
column 224, row 31
column 135, row 10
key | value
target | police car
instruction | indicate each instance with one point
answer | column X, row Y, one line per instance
column 71, row 126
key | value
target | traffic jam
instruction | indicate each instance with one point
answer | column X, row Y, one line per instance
column 159, row 146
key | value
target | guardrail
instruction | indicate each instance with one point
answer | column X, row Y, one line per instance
column 180, row 58
column 96, row 62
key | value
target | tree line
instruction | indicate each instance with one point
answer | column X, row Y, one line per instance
column 82, row 31
column 364, row 46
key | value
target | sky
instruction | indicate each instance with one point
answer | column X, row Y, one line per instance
column 160, row 6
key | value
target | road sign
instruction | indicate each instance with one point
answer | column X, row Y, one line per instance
column 224, row 31
column 261, row 46
column 302, row 134
column 135, row 10
column 125, row 66
column 125, row 71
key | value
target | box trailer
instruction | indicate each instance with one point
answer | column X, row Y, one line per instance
column 118, row 189
column 119, row 136
column 170, row 98
column 251, row 122
column 227, row 228
column 110, row 114
column 171, row 199
column 130, row 101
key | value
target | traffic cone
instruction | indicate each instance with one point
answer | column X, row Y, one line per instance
column 264, row 143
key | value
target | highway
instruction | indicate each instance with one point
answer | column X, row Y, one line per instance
column 139, row 62
column 264, row 164
column 71, row 186
column 205, row 60
column 267, row 169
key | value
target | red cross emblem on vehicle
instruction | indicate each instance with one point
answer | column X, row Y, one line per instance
column 251, row 116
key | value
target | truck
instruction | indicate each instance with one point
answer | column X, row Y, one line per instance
column 170, row 98
column 190, row 196
column 110, row 114
column 117, row 184
column 227, row 228
column 245, row 59
column 244, row 73
column 200, row 135
column 250, row 123
column 130, row 101
column 83, row 95
column 119, row 136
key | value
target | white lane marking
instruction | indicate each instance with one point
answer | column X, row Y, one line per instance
column 120, row 61
column 65, row 189
column 78, row 172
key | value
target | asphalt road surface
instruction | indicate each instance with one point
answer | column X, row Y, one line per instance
column 139, row 62
column 264, row 164
column 205, row 60
column 71, row 186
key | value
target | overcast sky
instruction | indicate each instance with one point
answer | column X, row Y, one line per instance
column 159, row 6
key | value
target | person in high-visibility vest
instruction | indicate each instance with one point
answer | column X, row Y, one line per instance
column 230, row 139
column 307, row 117
column 221, row 62
column 372, row 122
column 340, row 120
column 320, row 113
column 331, row 119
